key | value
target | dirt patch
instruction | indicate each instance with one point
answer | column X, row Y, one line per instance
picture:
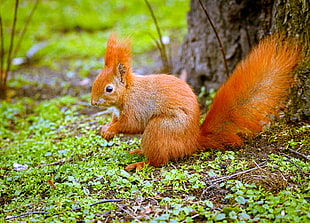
column 42, row 83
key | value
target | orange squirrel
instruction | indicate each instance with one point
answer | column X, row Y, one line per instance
column 164, row 109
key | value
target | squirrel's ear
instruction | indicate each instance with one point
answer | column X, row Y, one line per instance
column 121, row 72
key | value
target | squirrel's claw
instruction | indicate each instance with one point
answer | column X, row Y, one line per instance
column 106, row 133
column 138, row 166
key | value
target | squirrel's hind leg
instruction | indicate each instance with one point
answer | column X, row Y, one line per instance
column 168, row 138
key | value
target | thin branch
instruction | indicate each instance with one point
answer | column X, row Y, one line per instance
column 26, row 214
column 289, row 158
column 1, row 53
column 127, row 212
column 160, row 48
column 156, row 42
column 12, row 40
column 164, row 55
column 59, row 162
column 98, row 202
column 155, row 22
column 217, row 37
column 170, row 57
column 25, row 28
column 299, row 154
column 221, row 179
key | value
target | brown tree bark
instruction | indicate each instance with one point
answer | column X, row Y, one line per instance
column 293, row 18
column 240, row 24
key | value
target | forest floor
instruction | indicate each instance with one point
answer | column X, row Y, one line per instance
column 55, row 166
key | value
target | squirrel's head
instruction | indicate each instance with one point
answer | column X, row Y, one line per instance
column 112, row 82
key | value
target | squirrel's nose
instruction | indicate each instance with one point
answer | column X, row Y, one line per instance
column 93, row 103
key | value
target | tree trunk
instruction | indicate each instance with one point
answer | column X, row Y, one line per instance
column 293, row 17
column 240, row 24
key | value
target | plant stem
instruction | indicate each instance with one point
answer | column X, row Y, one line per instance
column 11, row 42
column 162, row 45
column 25, row 28
column 217, row 37
column 1, row 54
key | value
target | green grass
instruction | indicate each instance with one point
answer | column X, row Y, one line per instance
column 80, row 28
column 55, row 144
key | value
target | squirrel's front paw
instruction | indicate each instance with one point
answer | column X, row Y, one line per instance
column 107, row 133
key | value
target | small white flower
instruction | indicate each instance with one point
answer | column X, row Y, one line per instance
column 165, row 39
column 19, row 167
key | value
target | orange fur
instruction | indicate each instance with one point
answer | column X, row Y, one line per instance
column 256, row 89
column 162, row 108
column 117, row 52
column 165, row 110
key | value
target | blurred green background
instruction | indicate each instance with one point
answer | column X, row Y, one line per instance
column 78, row 29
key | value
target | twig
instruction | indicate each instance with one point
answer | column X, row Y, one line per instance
column 217, row 37
column 26, row 214
column 283, row 176
column 106, row 201
column 302, row 173
column 207, row 189
column 1, row 52
column 25, row 28
column 299, row 154
column 158, row 45
column 295, row 164
column 127, row 212
column 258, row 165
column 12, row 41
column 98, row 202
column 162, row 50
column 52, row 184
column 221, row 179
column 55, row 163
column 194, row 216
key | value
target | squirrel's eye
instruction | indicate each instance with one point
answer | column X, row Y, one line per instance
column 109, row 89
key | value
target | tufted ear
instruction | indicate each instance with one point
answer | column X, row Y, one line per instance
column 121, row 72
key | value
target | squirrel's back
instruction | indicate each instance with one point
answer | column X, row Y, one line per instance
column 255, row 91
column 161, row 92
column 162, row 95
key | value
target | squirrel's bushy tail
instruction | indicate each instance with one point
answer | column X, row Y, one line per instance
column 252, row 94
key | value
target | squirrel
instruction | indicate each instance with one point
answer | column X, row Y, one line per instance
column 165, row 110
